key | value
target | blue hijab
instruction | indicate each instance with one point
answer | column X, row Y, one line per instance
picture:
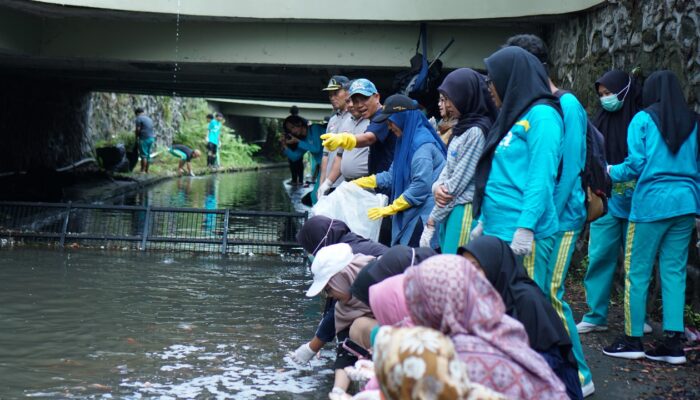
column 417, row 131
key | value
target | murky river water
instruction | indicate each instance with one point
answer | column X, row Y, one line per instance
column 86, row 324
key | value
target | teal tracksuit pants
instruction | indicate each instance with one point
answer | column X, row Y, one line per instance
column 553, row 287
column 455, row 230
column 607, row 237
column 537, row 262
column 669, row 238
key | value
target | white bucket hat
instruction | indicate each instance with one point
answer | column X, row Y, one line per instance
column 328, row 261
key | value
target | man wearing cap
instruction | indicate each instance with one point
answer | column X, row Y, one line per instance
column 353, row 163
column 330, row 164
column 381, row 143
column 366, row 101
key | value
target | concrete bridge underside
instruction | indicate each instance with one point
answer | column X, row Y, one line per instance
column 253, row 50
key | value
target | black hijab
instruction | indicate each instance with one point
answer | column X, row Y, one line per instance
column 663, row 99
column 467, row 90
column 393, row 262
column 522, row 297
column 613, row 125
column 521, row 82
column 320, row 231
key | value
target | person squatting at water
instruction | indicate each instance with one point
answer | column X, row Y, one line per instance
column 317, row 233
column 186, row 155
column 334, row 270
column 525, row 302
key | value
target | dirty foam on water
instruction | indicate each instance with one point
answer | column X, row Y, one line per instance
column 127, row 325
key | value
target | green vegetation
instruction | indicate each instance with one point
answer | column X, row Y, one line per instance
column 192, row 132
column 692, row 318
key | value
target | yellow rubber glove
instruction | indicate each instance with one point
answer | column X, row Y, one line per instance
column 332, row 141
column 366, row 182
column 397, row 206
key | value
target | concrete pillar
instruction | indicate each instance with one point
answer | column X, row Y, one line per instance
column 43, row 125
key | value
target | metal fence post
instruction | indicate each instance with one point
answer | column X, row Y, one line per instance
column 64, row 229
column 224, row 241
column 146, row 227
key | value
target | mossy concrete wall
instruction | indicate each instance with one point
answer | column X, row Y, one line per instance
column 624, row 34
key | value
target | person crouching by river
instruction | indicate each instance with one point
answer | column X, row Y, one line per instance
column 418, row 159
column 334, row 269
column 185, row 154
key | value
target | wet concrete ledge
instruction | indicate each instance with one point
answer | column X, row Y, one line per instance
column 92, row 192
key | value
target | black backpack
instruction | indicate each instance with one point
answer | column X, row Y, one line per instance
column 595, row 180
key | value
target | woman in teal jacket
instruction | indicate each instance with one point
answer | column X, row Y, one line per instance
column 620, row 98
column 663, row 156
column 516, row 174
column 418, row 160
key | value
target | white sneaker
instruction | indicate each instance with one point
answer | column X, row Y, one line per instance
column 589, row 388
column 586, row 327
column 647, row 328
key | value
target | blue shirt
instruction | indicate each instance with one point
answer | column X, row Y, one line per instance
column 569, row 198
column 520, row 188
column 214, row 128
column 668, row 185
column 311, row 143
column 426, row 165
column 381, row 152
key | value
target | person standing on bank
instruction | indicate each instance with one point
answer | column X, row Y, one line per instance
column 662, row 143
column 213, row 132
column 464, row 92
column 353, row 163
column 145, row 137
column 569, row 201
column 418, row 159
column 515, row 177
column 620, row 98
column 330, row 164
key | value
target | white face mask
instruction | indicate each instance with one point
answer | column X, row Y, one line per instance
column 611, row 102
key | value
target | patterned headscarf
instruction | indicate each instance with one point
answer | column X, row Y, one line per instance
column 448, row 293
column 421, row 363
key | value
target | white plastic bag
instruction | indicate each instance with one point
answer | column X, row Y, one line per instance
column 349, row 203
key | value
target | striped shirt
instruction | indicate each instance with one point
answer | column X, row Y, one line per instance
column 462, row 156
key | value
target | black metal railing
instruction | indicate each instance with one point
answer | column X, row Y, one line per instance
column 153, row 228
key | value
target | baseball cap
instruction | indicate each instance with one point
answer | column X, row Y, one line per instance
column 336, row 82
column 328, row 261
column 393, row 104
column 362, row 86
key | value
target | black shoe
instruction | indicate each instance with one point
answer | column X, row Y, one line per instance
column 627, row 347
column 668, row 350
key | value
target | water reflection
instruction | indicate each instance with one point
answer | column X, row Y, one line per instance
column 254, row 190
